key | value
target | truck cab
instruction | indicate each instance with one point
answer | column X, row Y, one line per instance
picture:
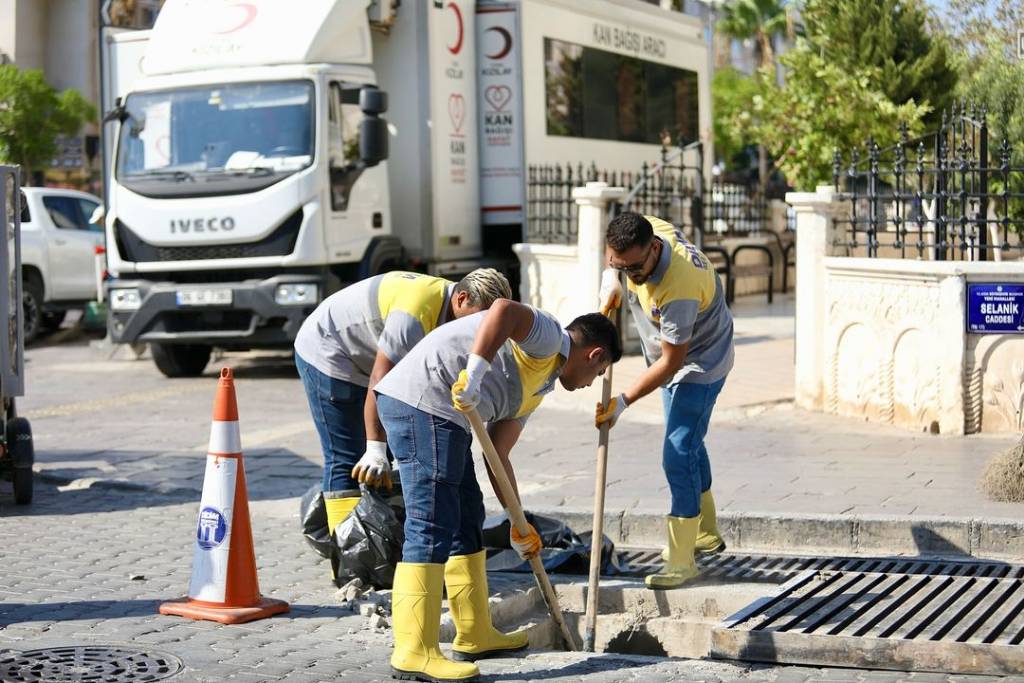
column 232, row 211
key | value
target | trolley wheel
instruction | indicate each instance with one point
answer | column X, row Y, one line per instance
column 22, row 478
column 22, row 456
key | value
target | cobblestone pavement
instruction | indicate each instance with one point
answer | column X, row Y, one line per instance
column 90, row 566
column 121, row 421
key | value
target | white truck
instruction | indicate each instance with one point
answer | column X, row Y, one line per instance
column 249, row 178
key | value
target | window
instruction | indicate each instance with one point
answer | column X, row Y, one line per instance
column 88, row 208
column 63, row 212
column 70, row 213
column 26, row 215
column 602, row 95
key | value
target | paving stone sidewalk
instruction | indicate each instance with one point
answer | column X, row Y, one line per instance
column 121, row 422
column 89, row 566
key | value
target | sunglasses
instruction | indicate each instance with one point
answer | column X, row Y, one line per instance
column 638, row 267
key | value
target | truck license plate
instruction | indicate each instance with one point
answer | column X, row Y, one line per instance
column 205, row 297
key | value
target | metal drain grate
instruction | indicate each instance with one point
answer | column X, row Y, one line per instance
column 781, row 568
column 87, row 664
column 919, row 615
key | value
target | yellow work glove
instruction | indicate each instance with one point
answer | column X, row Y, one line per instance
column 526, row 546
column 611, row 412
column 466, row 391
column 610, row 294
column 373, row 469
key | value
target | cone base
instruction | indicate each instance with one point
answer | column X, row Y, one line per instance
column 225, row 615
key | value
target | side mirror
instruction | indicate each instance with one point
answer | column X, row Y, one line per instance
column 118, row 113
column 373, row 141
column 373, row 101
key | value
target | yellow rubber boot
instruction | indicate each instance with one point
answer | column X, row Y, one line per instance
column 465, row 577
column 680, row 567
column 339, row 504
column 709, row 541
column 416, row 621
column 338, row 507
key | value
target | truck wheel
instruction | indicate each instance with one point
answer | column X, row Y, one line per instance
column 52, row 321
column 32, row 303
column 22, row 455
column 181, row 360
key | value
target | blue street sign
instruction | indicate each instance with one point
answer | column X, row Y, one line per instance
column 994, row 308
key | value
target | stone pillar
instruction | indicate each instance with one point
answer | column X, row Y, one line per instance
column 817, row 238
column 594, row 203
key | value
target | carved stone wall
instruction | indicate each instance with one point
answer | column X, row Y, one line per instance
column 896, row 350
column 880, row 341
column 994, row 383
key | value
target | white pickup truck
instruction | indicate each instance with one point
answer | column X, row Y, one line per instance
column 58, row 261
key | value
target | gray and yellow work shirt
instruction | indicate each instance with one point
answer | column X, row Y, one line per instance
column 683, row 302
column 521, row 374
column 390, row 312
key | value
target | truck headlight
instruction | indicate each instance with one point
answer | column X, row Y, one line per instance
column 296, row 294
column 125, row 299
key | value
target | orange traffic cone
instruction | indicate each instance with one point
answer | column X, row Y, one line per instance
column 224, row 586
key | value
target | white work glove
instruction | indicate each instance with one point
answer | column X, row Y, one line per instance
column 373, row 469
column 610, row 294
column 466, row 390
column 611, row 412
column 526, row 546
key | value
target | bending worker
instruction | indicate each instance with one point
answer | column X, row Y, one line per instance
column 685, row 328
column 354, row 338
column 501, row 362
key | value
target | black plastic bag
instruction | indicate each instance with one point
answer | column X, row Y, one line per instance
column 313, row 516
column 565, row 552
column 368, row 543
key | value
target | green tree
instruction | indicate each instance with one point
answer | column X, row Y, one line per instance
column 910, row 62
column 33, row 114
column 732, row 96
column 824, row 106
column 977, row 27
column 760, row 20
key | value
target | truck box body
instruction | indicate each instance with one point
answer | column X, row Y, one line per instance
column 519, row 45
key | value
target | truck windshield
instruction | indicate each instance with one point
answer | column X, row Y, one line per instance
column 215, row 139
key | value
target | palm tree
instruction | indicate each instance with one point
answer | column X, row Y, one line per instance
column 760, row 20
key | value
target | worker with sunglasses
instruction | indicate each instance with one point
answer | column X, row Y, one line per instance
column 678, row 305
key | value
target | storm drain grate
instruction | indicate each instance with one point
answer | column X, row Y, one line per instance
column 959, row 617
column 87, row 664
column 781, row 568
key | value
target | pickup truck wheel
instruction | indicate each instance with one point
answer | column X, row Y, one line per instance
column 181, row 360
column 32, row 303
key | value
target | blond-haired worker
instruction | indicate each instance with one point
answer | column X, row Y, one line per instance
column 351, row 341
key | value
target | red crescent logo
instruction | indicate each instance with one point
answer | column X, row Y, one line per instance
column 507, row 37
column 250, row 14
column 455, row 49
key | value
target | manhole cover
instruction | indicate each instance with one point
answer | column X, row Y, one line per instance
column 87, row 663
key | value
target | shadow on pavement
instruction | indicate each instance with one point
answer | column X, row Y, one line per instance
column 589, row 666
column 20, row 612
column 125, row 480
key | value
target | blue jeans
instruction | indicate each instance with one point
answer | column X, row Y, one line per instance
column 444, row 507
column 337, row 408
column 684, row 458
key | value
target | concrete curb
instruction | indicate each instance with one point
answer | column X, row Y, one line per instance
column 1000, row 539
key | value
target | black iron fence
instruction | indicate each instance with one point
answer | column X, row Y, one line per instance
column 674, row 189
column 551, row 210
column 950, row 195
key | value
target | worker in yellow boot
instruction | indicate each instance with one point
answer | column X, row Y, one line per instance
column 502, row 362
column 352, row 340
column 678, row 306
